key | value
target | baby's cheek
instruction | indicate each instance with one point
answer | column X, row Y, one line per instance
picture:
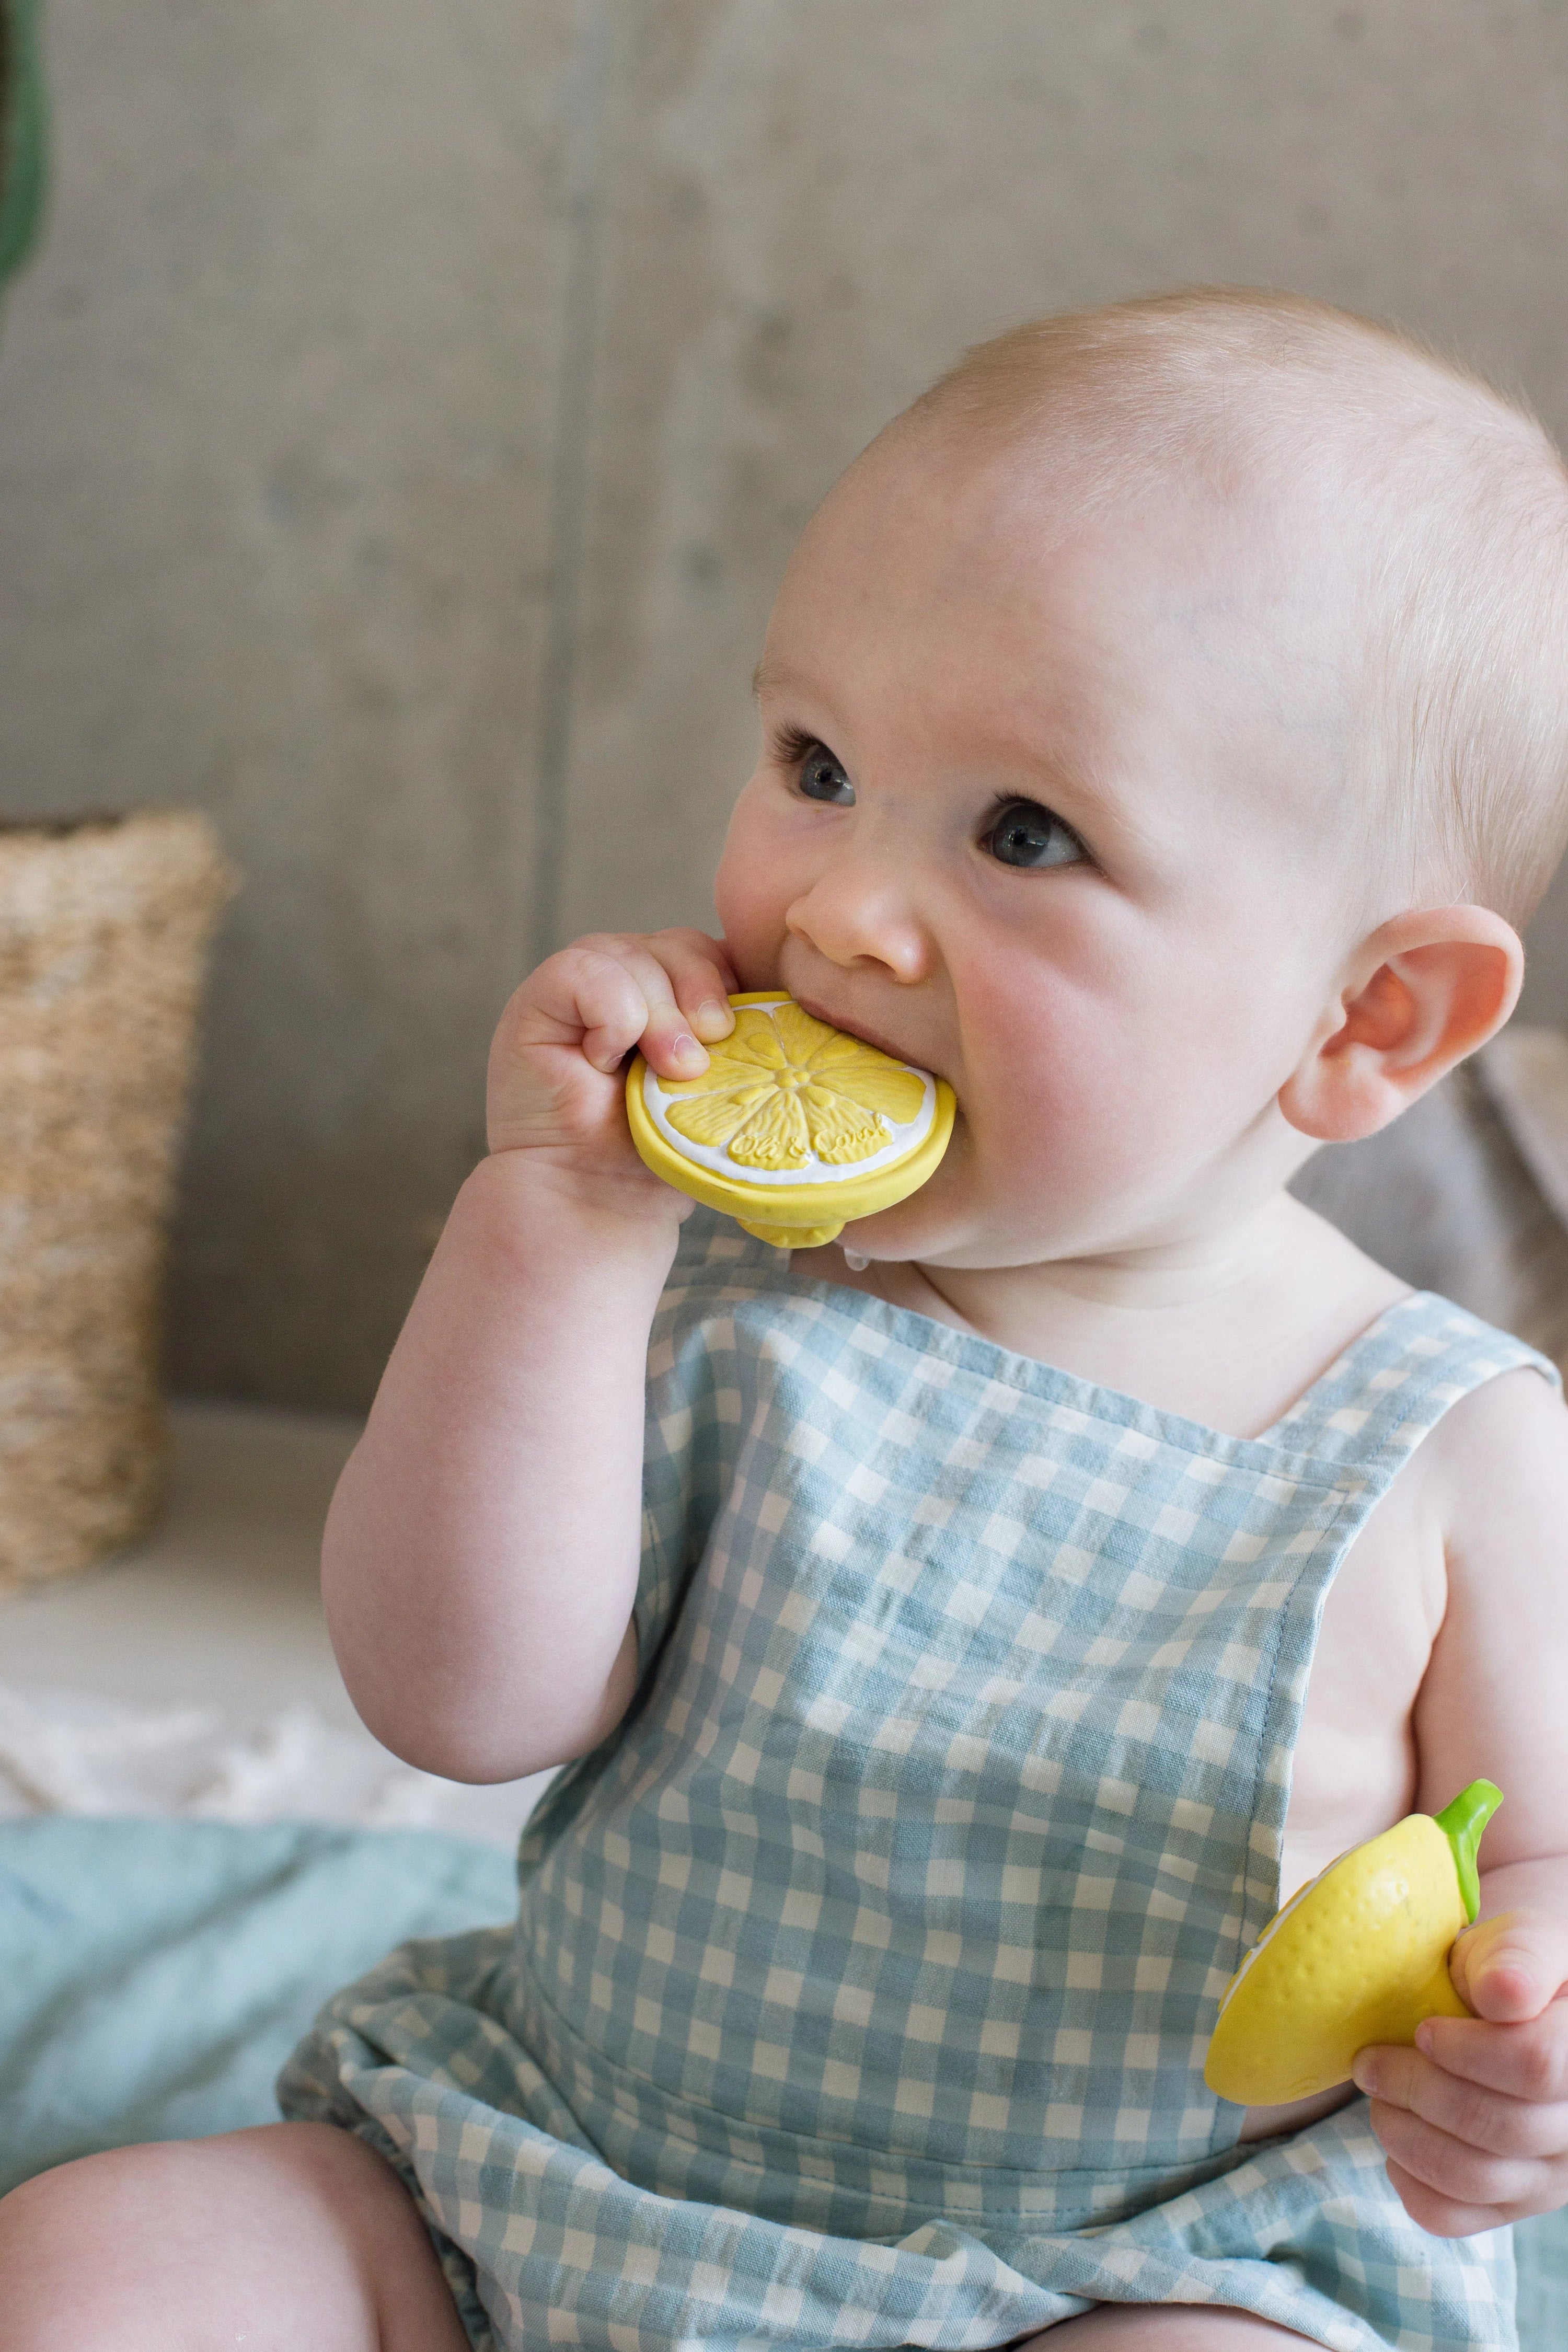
column 1037, row 1057
column 1093, row 1113
column 751, row 893
column 751, row 925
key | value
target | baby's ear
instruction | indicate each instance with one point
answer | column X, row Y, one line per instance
column 1421, row 993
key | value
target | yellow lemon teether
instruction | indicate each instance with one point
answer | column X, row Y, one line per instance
column 794, row 1129
column 1359, row 1955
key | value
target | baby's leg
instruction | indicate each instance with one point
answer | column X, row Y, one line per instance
column 1163, row 2327
column 290, row 2237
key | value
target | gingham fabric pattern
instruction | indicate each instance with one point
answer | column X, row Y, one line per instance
column 861, row 1982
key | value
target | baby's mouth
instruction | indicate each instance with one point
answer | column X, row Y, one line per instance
column 858, row 1029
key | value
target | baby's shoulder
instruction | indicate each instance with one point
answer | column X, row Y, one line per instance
column 1477, row 1517
column 1499, row 1453
column 1494, row 1475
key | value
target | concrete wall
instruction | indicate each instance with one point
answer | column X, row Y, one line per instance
column 404, row 428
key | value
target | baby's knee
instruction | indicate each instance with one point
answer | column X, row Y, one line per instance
column 1163, row 2327
column 296, row 2233
column 78, row 2245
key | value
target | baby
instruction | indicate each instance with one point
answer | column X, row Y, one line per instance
column 1165, row 734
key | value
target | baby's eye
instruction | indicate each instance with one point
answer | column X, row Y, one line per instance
column 1021, row 833
column 822, row 776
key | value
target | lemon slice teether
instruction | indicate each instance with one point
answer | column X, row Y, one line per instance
column 794, row 1129
column 1360, row 1955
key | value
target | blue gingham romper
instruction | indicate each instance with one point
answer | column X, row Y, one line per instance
column 862, row 1979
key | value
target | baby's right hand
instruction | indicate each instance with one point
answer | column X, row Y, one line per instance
column 555, row 1085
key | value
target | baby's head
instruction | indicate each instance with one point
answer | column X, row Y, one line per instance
column 1166, row 732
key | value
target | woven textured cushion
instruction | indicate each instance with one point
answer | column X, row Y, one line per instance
column 104, row 930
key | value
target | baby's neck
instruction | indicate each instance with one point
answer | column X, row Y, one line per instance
column 1154, row 1277
column 1225, row 1327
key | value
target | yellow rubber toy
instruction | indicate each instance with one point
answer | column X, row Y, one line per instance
column 794, row 1129
column 1360, row 1955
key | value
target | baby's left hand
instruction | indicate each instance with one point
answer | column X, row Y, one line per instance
column 1474, row 2120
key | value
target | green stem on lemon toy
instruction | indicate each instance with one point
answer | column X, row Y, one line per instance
column 1462, row 1823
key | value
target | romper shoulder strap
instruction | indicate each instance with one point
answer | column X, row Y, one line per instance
column 1375, row 1403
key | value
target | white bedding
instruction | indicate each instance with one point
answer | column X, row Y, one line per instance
column 65, row 1752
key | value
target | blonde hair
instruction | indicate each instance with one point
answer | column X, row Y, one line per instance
column 1466, row 581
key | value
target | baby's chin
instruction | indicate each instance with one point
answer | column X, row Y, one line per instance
column 937, row 1217
column 944, row 1224
column 976, row 1216
column 886, row 1240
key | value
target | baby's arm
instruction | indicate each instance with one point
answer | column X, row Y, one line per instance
column 480, row 1557
column 1475, row 2119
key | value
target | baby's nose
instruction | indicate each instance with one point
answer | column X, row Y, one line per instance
column 851, row 915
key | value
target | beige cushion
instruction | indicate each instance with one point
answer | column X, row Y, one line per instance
column 1467, row 1194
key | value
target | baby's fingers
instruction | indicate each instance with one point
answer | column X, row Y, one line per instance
column 615, row 994
column 1441, row 2216
column 1483, row 2190
column 592, row 996
column 1508, row 1967
column 1485, row 2120
column 700, row 980
column 655, row 993
column 1527, row 2062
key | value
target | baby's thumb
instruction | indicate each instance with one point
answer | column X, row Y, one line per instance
column 1508, row 1969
